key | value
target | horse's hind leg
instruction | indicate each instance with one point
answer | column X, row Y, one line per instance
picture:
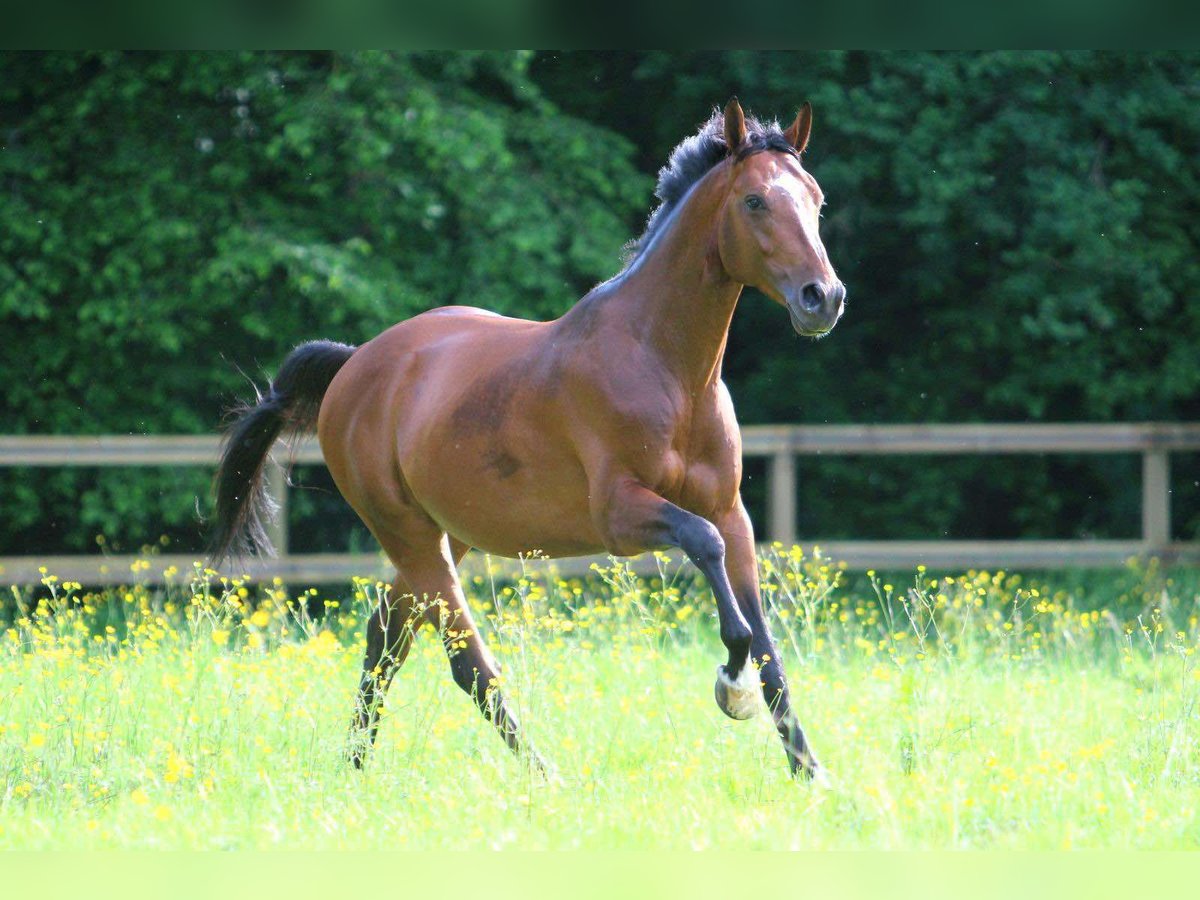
column 436, row 593
column 390, row 631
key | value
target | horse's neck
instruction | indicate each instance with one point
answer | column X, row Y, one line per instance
column 677, row 297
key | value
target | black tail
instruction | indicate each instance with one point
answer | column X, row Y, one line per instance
column 290, row 407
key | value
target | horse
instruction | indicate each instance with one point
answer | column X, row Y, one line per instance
column 608, row 429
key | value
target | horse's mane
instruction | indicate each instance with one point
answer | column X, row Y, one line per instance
column 692, row 160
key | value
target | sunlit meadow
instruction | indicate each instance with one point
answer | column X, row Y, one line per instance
column 971, row 712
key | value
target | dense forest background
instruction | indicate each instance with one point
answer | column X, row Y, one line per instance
column 1018, row 233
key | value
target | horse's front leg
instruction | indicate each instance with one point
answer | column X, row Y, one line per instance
column 741, row 564
column 636, row 519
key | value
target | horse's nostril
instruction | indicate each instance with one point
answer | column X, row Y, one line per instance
column 812, row 296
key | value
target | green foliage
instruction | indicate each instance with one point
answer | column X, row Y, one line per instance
column 1017, row 232
column 170, row 219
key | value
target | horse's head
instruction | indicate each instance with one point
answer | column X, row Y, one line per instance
column 768, row 234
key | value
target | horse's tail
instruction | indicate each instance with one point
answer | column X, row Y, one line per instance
column 289, row 407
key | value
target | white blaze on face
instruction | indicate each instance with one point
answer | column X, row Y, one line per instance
column 788, row 186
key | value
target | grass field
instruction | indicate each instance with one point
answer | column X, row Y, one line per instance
column 982, row 711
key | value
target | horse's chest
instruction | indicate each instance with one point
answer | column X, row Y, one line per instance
column 686, row 455
column 707, row 489
column 700, row 477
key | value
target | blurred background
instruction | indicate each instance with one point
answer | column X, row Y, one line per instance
column 1018, row 233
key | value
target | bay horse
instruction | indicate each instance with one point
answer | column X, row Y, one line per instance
column 606, row 430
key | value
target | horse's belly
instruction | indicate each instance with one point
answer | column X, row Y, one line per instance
column 530, row 542
column 489, row 523
column 509, row 502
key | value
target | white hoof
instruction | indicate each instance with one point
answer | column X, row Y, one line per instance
column 738, row 698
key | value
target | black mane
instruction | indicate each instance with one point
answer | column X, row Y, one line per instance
column 693, row 159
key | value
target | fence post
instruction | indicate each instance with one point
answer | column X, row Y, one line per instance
column 1156, row 500
column 781, row 497
column 278, row 489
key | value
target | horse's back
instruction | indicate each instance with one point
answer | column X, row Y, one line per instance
column 429, row 341
column 460, row 404
column 420, row 362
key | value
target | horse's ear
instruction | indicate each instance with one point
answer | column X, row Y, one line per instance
column 735, row 125
column 797, row 132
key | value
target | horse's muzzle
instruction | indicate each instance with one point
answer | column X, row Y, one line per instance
column 816, row 308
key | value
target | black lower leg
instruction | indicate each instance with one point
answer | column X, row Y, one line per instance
column 388, row 634
column 477, row 680
column 778, row 699
column 702, row 543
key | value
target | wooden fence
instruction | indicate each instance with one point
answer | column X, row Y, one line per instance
column 780, row 444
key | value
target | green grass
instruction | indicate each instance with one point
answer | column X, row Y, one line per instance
column 979, row 712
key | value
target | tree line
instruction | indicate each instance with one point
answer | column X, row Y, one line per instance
column 1018, row 233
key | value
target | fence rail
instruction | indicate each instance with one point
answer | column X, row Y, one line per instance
column 780, row 444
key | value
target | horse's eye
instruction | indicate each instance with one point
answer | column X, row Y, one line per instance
column 755, row 202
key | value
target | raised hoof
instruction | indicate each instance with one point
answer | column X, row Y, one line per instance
column 738, row 698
